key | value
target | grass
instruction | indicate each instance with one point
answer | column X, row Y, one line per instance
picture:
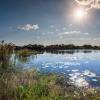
column 32, row 85
column 6, row 50
column 27, row 86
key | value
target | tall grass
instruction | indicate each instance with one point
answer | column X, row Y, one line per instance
column 6, row 50
column 32, row 85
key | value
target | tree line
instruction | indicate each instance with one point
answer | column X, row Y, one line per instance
column 56, row 47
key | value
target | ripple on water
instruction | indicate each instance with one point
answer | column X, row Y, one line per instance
column 89, row 73
column 78, row 80
column 95, row 80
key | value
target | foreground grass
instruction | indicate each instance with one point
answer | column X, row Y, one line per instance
column 31, row 85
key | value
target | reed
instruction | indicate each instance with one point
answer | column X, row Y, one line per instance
column 6, row 50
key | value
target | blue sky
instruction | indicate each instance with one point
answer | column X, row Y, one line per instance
column 47, row 22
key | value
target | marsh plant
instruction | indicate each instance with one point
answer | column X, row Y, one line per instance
column 6, row 50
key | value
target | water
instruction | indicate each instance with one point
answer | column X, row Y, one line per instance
column 82, row 67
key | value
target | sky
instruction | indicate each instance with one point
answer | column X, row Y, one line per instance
column 48, row 22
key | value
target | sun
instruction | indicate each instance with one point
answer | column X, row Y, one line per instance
column 79, row 14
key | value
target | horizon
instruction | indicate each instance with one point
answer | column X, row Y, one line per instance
column 47, row 44
column 53, row 44
column 49, row 22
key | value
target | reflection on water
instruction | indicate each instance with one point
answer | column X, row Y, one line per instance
column 82, row 66
column 68, row 51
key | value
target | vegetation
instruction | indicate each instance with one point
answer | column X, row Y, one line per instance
column 33, row 85
column 6, row 50
column 56, row 47
column 26, row 52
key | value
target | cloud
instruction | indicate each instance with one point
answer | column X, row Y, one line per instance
column 89, row 3
column 70, row 33
column 86, row 33
column 70, row 25
column 84, row 2
column 52, row 26
column 91, row 38
column 50, row 32
column 64, row 28
column 28, row 27
column 96, row 38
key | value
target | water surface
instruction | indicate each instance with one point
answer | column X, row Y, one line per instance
column 82, row 67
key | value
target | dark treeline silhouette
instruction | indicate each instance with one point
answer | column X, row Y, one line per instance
column 31, row 47
column 56, row 47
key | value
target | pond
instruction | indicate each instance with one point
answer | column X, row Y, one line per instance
column 81, row 66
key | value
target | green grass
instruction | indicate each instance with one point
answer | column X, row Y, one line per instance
column 32, row 85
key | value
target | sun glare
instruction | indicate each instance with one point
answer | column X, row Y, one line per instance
column 79, row 14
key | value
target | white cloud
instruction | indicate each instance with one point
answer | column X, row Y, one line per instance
column 70, row 25
column 73, row 33
column 52, row 26
column 28, row 27
column 50, row 32
column 96, row 38
column 89, row 3
column 86, row 33
column 57, row 30
column 64, row 28
column 70, row 33
column 90, row 39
